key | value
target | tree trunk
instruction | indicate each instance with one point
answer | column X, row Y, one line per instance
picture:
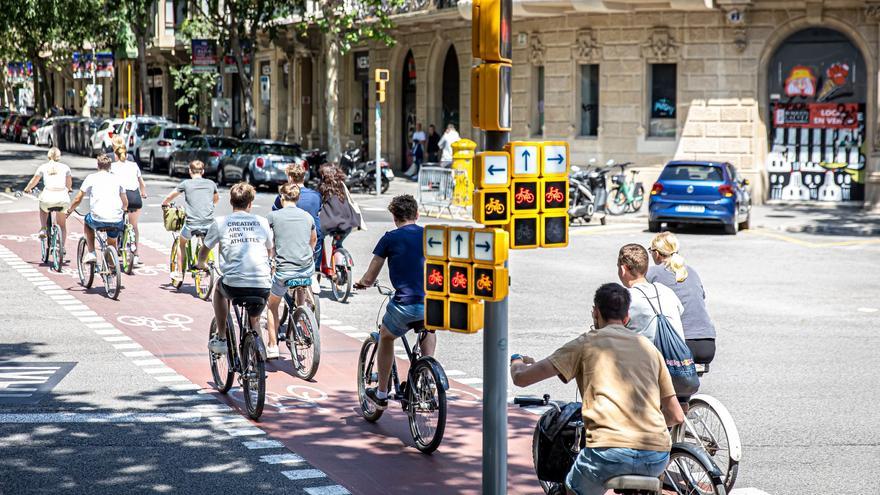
column 331, row 96
column 247, row 82
column 42, row 92
column 146, row 104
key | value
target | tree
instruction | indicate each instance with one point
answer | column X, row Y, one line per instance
column 139, row 16
column 194, row 86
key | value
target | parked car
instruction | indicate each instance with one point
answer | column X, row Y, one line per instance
column 19, row 124
column 101, row 141
column 259, row 161
column 29, row 131
column 209, row 149
column 161, row 141
column 700, row 192
column 7, row 122
column 135, row 127
column 58, row 135
column 44, row 132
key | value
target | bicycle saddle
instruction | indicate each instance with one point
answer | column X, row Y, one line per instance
column 416, row 325
column 56, row 208
column 253, row 304
column 199, row 233
column 632, row 482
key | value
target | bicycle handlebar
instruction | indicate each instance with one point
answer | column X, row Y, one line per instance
column 532, row 401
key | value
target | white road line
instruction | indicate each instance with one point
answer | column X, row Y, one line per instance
column 262, row 444
column 345, row 328
column 868, row 310
column 103, row 324
column 127, row 346
column 289, row 458
column 172, row 378
column 304, row 474
column 98, row 417
column 57, row 292
column 748, row 491
column 469, row 381
column 108, row 331
column 245, row 432
column 454, row 372
column 358, row 335
column 137, row 354
column 82, row 313
column 327, row 490
column 76, row 307
column 118, row 338
column 196, row 397
column 90, row 319
column 183, row 387
column 147, row 362
column 160, row 370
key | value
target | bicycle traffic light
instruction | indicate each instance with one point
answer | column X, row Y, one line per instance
column 381, row 76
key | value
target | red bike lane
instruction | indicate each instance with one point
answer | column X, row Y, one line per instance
column 318, row 420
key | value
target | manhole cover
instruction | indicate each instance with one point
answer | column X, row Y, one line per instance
column 28, row 382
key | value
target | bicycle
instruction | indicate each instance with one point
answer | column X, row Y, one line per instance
column 422, row 395
column 301, row 331
column 690, row 470
column 106, row 265
column 128, row 247
column 203, row 279
column 627, row 195
column 337, row 266
column 52, row 244
column 245, row 357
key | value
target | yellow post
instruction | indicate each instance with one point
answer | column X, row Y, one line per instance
column 128, row 108
column 463, row 171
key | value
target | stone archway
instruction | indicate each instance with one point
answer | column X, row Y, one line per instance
column 407, row 109
column 450, row 91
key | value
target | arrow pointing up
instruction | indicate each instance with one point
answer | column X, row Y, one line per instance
column 558, row 159
column 525, row 154
column 458, row 240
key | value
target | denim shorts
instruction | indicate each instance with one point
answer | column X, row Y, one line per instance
column 187, row 232
column 115, row 227
column 593, row 467
column 279, row 282
column 399, row 316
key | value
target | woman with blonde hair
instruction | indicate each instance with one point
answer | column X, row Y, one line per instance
column 129, row 175
column 670, row 270
column 57, row 184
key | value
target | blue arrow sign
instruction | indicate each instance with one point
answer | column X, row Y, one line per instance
column 458, row 240
column 484, row 245
column 526, row 155
column 492, row 169
column 558, row 159
column 432, row 242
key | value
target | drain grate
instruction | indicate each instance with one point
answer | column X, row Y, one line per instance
column 23, row 383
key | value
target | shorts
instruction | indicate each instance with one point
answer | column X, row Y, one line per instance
column 398, row 317
column 594, row 466
column 702, row 349
column 279, row 283
column 115, row 228
column 47, row 205
column 135, row 202
column 187, row 232
column 231, row 293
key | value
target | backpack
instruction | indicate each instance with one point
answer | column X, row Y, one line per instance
column 676, row 353
column 558, row 440
column 173, row 218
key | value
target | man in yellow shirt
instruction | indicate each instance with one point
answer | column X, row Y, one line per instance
column 628, row 398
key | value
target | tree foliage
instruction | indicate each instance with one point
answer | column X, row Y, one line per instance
column 194, row 87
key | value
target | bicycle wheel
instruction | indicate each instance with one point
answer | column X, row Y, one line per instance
column 253, row 377
column 304, row 342
column 714, row 435
column 204, row 281
column 221, row 365
column 125, row 253
column 427, row 407
column 45, row 248
column 368, row 377
column 341, row 284
column 86, row 271
column 616, row 202
column 56, row 246
column 112, row 273
column 638, row 198
column 686, row 474
column 174, row 263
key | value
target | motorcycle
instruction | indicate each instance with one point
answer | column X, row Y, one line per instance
column 361, row 175
column 587, row 192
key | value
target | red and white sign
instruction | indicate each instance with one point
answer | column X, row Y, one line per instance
column 817, row 115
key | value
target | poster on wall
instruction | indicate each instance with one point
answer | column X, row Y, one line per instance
column 221, row 112
column 204, row 56
column 95, row 95
column 84, row 65
column 816, row 115
column 19, row 72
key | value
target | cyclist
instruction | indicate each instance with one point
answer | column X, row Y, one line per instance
column 135, row 190
column 402, row 248
column 294, row 234
column 670, row 270
column 339, row 214
column 245, row 248
column 200, row 195
column 632, row 267
column 309, row 200
column 107, row 205
column 628, row 397
column 57, row 184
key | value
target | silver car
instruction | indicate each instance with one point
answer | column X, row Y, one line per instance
column 161, row 141
column 259, row 161
column 102, row 140
column 209, row 149
column 135, row 127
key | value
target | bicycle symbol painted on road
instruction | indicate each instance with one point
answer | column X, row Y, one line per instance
column 152, row 270
column 172, row 321
column 296, row 397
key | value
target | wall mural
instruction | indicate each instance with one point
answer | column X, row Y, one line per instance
column 817, row 124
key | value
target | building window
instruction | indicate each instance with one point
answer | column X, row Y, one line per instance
column 169, row 16
column 662, row 85
column 589, row 103
column 538, row 116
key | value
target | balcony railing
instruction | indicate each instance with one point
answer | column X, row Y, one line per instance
column 412, row 6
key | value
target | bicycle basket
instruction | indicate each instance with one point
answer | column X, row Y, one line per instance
column 173, row 218
column 559, row 440
column 618, row 179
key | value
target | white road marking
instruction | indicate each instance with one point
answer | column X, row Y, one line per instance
column 137, row 354
column 118, row 338
column 327, row 490
column 82, row 313
column 868, row 310
column 147, row 362
column 262, row 444
column 103, row 324
column 76, row 307
column 345, row 328
column 469, row 381
column 108, row 331
column 454, row 373
column 748, row 491
column 90, row 319
column 289, row 458
column 330, row 322
column 127, row 346
column 304, row 474
column 245, row 432
column 183, row 387
column 172, row 378
column 5, row 202
column 98, row 417
column 196, row 397
column 160, row 370
column 358, row 335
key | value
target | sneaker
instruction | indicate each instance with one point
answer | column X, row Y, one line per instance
column 89, row 258
column 137, row 261
column 217, row 346
column 272, row 352
column 177, row 277
column 43, row 233
column 381, row 404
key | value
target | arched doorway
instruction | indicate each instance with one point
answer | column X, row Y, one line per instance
column 817, row 87
column 407, row 107
column 450, row 91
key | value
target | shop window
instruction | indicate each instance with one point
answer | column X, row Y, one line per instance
column 538, row 115
column 589, row 99
column 662, row 85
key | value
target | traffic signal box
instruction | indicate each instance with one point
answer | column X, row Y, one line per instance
column 463, row 267
column 490, row 81
column 381, row 76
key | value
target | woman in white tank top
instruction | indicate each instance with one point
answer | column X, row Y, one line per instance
column 57, row 184
column 130, row 176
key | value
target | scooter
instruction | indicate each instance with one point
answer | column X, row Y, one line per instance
column 361, row 175
column 587, row 193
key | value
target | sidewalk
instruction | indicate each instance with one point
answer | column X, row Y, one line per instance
column 822, row 219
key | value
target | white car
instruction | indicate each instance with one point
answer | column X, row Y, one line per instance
column 44, row 132
column 163, row 140
column 135, row 127
column 102, row 140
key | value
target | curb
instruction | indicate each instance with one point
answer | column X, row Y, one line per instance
column 854, row 231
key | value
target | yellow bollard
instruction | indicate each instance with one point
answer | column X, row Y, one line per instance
column 463, row 171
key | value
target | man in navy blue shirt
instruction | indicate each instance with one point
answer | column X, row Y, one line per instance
column 309, row 200
column 402, row 248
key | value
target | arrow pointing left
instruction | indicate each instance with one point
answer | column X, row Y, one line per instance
column 432, row 242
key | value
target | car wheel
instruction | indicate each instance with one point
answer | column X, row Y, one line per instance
column 152, row 163
column 653, row 227
column 747, row 223
column 731, row 228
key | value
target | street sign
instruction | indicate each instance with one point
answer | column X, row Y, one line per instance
column 460, row 275
column 554, row 195
column 523, row 232
column 554, row 230
column 525, row 196
column 436, row 310
column 435, row 277
column 490, row 246
column 464, row 315
column 526, row 158
column 492, row 170
column 490, row 282
column 491, row 207
column 435, row 242
column 554, row 159
column 459, row 239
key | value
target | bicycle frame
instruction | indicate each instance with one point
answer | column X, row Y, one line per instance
column 328, row 268
column 244, row 328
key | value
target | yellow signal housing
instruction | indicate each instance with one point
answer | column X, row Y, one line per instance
column 464, row 315
column 381, row 76
column 489, row 282
column 436, row 312
column 475, row 96
column 490, row 30
column 494, row 97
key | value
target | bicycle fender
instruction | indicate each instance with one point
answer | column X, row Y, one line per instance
column 700, row 454
column 437, row 369
column 734, row 442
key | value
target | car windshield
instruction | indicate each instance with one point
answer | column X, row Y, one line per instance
column 144, row 127
column 222, row 143
column 692, row 172
column 180, row 134
column 278, row 149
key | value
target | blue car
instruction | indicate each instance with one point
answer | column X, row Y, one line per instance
column 700, row 192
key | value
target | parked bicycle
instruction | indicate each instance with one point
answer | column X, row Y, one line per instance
column 337, row 265
column 626, row 195
column 245, row 354
column 52, row 245
column 203, row 279
column 300, row 329
column 107, row 264
column 422, row 395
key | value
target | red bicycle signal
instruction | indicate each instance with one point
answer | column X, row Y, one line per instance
column 435, row 278
column 459, row 280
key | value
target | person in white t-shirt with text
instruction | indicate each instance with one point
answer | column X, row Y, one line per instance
column 647, row 299
column 57, row 184
column 107, row 204
column 135, row 190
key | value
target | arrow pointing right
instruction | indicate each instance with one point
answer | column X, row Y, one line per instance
column 558, row 159
column 485, row 246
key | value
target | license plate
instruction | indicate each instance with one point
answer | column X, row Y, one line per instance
column 281, row 165
column 690, row 208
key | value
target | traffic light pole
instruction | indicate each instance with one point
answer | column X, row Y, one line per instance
column 378, row 148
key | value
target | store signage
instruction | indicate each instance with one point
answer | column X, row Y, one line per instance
column 204, row 56
column 816, row 115
column 361, row 66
